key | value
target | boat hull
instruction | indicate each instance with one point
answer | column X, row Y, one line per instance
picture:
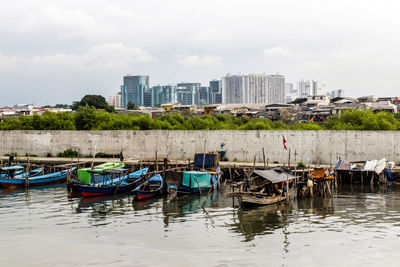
column 187, row 190
column 37, row 181
column 88, row 190
column 254, row 199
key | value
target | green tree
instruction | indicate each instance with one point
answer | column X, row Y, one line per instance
column 96, row 101
column 132, row 106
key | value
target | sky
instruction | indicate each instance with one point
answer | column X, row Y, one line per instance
column 56, row 51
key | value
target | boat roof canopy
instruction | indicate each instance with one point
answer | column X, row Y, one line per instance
column 108, row 171
column 274, row 176
column 12, row 168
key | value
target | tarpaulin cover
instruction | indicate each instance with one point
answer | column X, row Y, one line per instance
column 209, row 159
column 389, row 175
column 195, row 179
column 318, row 173
column 274, row 176
column 342, row 165
column 370, row 165
column 380, row 166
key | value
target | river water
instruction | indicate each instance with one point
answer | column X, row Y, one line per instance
column 44, row 227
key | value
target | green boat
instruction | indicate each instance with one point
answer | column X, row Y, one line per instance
column 84, row 175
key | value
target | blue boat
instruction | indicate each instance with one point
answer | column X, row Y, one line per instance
column 195, row 182
column 106, row 182
column 52, row 178
column 18, row 171
column 150, row 188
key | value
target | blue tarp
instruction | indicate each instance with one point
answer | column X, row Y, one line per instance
column 389, row 175
column 209, row 160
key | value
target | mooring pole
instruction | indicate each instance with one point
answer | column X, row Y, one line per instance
column 264, row 158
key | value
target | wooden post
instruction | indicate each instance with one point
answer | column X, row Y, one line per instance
column 230, row 173
column 198, row 184
column 156, row 162
column 336, row 178
column 295, row 160
column 264, row 158
column 289, row 160
column 204, row 155
column 27, row 173
column 254, row 164
column 268, row 163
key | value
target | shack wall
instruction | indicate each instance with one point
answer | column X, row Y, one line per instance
column 317, row 146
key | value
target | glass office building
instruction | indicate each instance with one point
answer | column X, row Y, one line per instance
column 136, row 90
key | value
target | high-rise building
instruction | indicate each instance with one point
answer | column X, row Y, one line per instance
column 204, row 95
column 304, row 88
column 276, row 89
column 215, row 92
column 253, row 89
column 136, row 90
column 311, row 87
column 162, row 94
column 289, row 88
column 188, row 93
column 115, row 100
column 337, row 93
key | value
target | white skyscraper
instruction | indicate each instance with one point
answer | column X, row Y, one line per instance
column 311, row 87
column 304, row 88
column 253, row 89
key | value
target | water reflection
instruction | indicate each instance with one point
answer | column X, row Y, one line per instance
column 356, row 219
column 187, row 205
column 105, row 206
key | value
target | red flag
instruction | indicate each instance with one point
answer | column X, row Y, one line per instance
column 284, row 142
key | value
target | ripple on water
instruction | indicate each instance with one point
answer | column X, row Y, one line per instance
column 203, row 230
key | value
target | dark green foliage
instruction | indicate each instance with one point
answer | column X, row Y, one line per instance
column 363, row 120
column 15, row 154
column 301, row 165
column 131, row 106
column 69, row 153
column 90, row 118
column 95, row 101
column 47, row 121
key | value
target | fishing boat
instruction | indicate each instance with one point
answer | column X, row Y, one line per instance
column 150, row 188
column 106, row 182
column 269, row 187
column 18, row 171
column 38, row 180
column 261, row 199
column 84, row 175
column 190, row 182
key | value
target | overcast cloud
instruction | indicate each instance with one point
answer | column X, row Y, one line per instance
column 55, row 51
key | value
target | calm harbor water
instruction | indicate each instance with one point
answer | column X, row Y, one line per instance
column 43, row 227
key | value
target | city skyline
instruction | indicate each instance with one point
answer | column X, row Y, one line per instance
column 58, row 51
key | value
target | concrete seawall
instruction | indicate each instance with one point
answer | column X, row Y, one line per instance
column 317, row 146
